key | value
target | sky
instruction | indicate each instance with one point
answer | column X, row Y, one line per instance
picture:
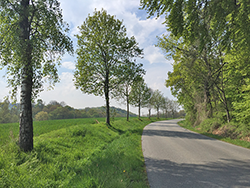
column 135, row 20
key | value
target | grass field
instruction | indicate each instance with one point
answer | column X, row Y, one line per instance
column 75, row 153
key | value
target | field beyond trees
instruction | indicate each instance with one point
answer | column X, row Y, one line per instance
column 75, row 153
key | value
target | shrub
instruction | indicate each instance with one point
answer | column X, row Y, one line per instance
column 211, row 124
column 41, row 116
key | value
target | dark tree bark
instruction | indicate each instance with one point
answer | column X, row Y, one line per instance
column 139, row 111
column 26, row 122
column 106, row 91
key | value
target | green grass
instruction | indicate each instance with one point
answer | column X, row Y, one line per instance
column 75, row 153
column 235, row 141
column 10, row 130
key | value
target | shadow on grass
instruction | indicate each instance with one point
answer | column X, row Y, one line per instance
column 119, row 131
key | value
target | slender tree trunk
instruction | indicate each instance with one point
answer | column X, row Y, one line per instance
column 223, row 98
column 107, row 108
column 139, row 111
column 106, row 91
column 139, row 108
column 26, row 121
column 127, row 108
column 149, row 113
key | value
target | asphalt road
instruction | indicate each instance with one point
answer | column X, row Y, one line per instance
column 176, row 157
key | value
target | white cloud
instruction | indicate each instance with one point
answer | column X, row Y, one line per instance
column 144, row 30
column 68, row 65
column 156, row 76
column 154, row 55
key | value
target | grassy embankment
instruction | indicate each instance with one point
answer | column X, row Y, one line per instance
column 75, row 153
column 226, row 133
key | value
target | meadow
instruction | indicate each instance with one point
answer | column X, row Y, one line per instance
column 75, row 153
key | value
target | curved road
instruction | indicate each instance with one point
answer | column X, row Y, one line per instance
column 176, row 157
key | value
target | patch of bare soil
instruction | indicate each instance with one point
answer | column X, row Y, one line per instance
column 227, row 132
column 247, row 138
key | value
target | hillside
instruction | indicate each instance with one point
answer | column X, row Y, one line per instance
column 9, row 113
column 75, row 153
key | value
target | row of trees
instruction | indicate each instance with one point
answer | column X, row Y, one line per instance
column 33, row 37
column 9, row 113
column 106, row 65
column 210, row 45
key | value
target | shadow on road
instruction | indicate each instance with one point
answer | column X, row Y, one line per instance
column 186, row 134
column 224, row 173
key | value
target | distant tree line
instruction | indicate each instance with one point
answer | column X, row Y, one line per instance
column 166, row 108
column 9, row 113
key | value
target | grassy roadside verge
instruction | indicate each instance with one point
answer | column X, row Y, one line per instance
column 78, row 155
column 235, row 141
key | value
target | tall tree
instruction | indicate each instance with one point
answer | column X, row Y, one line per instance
column 158, row 99
column 32, row 39
column 150, row 102
column 132, row 73
column 174, row 107
column 220, row 31
column 166, row 106
column 103, row 51
column 140, row 95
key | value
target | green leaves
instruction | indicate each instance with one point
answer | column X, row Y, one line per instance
column 105, row 56
column 104, row 53
column 46, row 37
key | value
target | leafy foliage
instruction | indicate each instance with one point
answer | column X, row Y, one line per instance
column 210, row 45
column 32, row 39
column 158, row 101
column 103, row 52
column 46, row 37
column 140, row 95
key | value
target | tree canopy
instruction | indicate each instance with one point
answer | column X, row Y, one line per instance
column 210, row 44
column 32, row 39
column 104, row 50
column 140, row 94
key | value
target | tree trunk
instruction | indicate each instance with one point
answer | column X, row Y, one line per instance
column 127, row 108
column 139, row 108
column 107, row 110
column 26, row 121
column 139, row 111
column 106, row 91
column 149, row 113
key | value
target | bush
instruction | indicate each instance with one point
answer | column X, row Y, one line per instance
column 211, row 124
column 41, row 116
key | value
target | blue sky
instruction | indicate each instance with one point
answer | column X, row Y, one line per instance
column 145, row 32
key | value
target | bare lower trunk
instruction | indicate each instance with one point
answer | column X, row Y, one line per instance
column 127, row 108
column 26, row 121
column 107, row 111
column 139, row 110
column 149, row 113
column 106, row 91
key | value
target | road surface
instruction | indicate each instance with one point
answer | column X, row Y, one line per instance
column 176, row 157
